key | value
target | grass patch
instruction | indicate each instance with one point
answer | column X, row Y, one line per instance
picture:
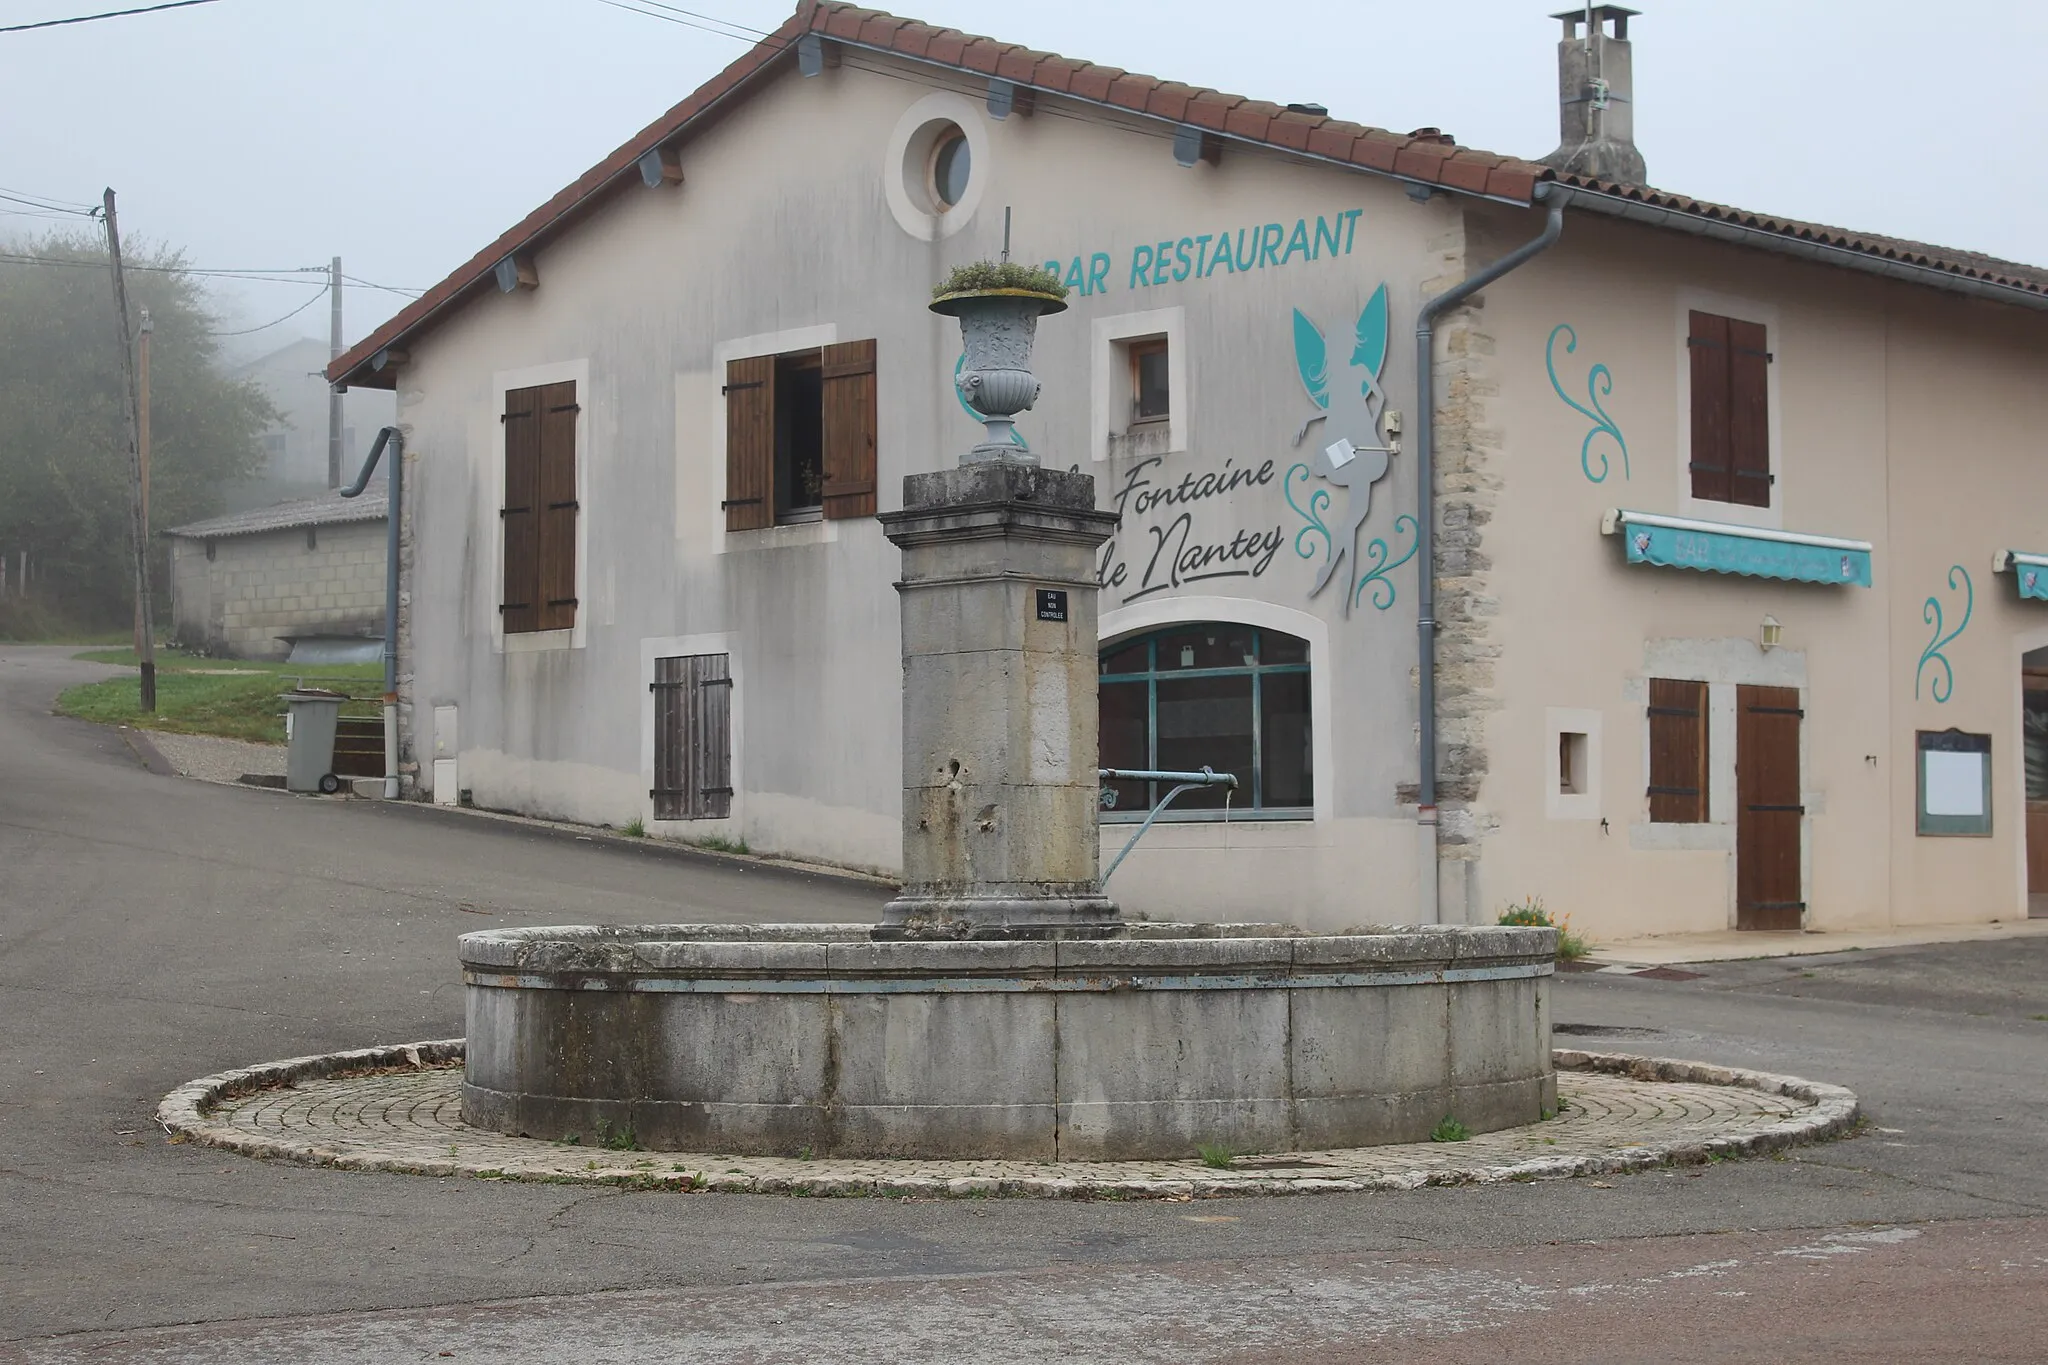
column 635, row 828
column 235, row 698
column 1530, row 913
column 715, row 844
column 1217, row 1155
column 1449, row 1129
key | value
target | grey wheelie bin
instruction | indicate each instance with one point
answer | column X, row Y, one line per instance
column 311, row 714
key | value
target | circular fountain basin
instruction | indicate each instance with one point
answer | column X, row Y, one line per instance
column 784, row 1039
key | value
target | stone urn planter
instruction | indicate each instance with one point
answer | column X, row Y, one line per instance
column 999, row 307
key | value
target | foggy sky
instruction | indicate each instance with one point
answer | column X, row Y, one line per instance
column 406, row 134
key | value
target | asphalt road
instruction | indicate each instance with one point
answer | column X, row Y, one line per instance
column 154, row 929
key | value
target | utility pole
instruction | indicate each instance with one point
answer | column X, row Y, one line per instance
column 142, row 445
column 334, row 353
column 137, row 522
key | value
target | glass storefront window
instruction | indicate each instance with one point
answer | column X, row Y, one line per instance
column 1215, row 695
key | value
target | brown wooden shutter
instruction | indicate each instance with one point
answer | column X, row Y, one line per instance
column 692, row 737
column 1678, row 752
column 558, row 507
column 750, row 443
column 1707, row 343
column 519, row 599
column 849, row 403
column 1749, row 410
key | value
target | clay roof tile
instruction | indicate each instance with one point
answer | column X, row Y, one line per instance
column 1131, row 92
column 1211, row 109
column 1251, row 119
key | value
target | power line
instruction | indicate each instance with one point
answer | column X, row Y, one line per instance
column 286, row 318
column 387, row 288
column 743, row 36
column 54, row 201
column 710, row 18
column 35, row 202
column 110, row 14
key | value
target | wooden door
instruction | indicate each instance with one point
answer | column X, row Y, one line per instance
column 1769, row 816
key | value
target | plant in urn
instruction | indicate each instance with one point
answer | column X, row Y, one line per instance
column 999, row 306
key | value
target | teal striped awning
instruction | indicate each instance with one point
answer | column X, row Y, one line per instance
column 2029, row 572
column 1719, row 547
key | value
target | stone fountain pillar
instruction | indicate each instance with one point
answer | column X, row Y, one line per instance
column 999, row 667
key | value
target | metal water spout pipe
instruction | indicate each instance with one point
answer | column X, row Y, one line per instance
column 1556, row 197
column 394, row 518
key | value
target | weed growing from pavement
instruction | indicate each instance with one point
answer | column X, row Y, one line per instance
column 1529, row 913
column 616, row 1137
column 714, row 844
column 1449, row 1130
column 635, row 828
column 1216, row 1154
column 803, row 1153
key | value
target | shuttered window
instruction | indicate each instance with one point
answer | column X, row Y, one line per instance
column 540, row 509
column 1678, row 752
column 800, row 436
column 1731, row 443
column 692, row 737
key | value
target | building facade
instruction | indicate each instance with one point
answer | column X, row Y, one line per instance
column 295, row 447
column 250, row 584
column 648, row 430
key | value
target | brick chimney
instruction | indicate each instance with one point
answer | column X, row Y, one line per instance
column 1596, row 119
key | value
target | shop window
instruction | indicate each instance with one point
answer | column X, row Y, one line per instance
column 800, row 436
column 1228, row 697
column 1731, row 432
column 539, row 515
column 1678, row 752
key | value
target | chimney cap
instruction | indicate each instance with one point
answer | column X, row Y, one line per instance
column 1599, row 14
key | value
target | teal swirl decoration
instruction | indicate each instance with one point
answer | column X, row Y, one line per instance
column 1318, row 503
column 1376, row 551
column 1945, row 685
column 1599, row 384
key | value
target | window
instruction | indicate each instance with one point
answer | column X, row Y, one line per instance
column 1149, row 391
column 539, row 514
column 1215, row 695
column 692, row 737
column 274, row 447
column 951, row 163
column 1731, row 440
column 1571, row 763
column 800, row 436
column 1678, row 752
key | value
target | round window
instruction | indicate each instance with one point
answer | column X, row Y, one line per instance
column 951, row 163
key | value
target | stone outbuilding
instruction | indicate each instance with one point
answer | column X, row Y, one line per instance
column 251, row 583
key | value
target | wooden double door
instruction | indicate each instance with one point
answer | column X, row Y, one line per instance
column 1769, row 815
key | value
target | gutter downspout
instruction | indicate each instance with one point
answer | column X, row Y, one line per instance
column 1556, row 196
column 394, row 518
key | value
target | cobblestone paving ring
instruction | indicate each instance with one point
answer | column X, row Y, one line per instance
column 399, row 1109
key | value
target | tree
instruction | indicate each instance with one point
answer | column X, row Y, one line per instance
column 64, row 474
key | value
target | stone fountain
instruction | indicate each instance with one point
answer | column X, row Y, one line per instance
column 1002, row 1007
